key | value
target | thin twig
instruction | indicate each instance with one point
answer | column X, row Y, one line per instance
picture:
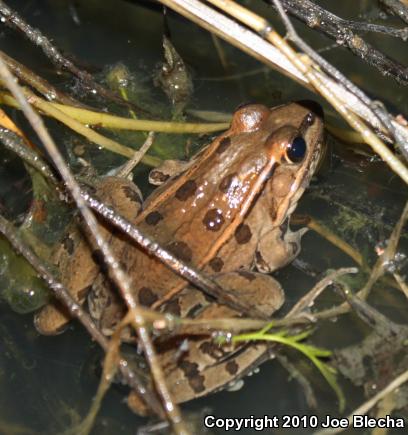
column 15, row 143
column 335, row 28
column 323, row 87
column 118, row 276
column 369, row 404
column 402, row 284
column 306, row 301
column 396, row 7
column 138, row 155
column 38, row 83
column 82, row 129
column 76, row 311
column 13, row 19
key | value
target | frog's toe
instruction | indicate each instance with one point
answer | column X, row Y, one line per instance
column 137, row 405
column 52, row 320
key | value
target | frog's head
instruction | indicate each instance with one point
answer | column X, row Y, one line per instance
column 290, row 139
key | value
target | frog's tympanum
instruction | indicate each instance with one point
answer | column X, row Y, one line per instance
column 227, row 214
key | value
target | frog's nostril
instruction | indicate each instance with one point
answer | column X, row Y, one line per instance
column 312, row 106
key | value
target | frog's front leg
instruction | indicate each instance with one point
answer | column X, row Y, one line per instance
column 277, row 248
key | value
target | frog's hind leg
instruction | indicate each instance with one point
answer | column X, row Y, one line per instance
column 52, row 319
column 193, row 364
column 218, row 376
column 76, row 258
column 77, row 271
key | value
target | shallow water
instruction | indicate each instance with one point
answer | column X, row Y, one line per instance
column 48, row 382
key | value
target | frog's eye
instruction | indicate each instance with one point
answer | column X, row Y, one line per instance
column 296, row 150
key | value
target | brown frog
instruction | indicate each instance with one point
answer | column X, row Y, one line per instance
column 227, row 214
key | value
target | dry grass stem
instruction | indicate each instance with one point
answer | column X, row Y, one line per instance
column 402, row 284
column 138, row 155
column 307, row 301
column 350, row 107
column 100, row 119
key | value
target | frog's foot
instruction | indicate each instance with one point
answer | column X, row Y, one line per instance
column 137, row 405
column 52, row 319
column 166, row 170
column 207, row 367
column 276, row 250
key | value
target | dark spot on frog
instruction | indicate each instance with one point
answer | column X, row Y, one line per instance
column 226, row 182
column 181, row 250
column 97, row 256
column 243, row 234
column 159, row 177
column 146, row 297
column 131, row 194
column 247, row 275
column 153, row 218
column 91, row 190
column 194, row 310
column 273, row 210
column 191, row 372
column 224, row 144
column 211, row 349
column 186, row 190
column 213, row 219
column 216, row 264
column 173, row 307
column 69, row 244
column 295, row 247
column 124, row 265
column 284, row 227
column 83, row 293
column 259, row 259
column 232, row 367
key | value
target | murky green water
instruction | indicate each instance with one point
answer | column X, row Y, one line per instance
column 47, row 383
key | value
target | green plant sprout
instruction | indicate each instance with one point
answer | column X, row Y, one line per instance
column 314, row 353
